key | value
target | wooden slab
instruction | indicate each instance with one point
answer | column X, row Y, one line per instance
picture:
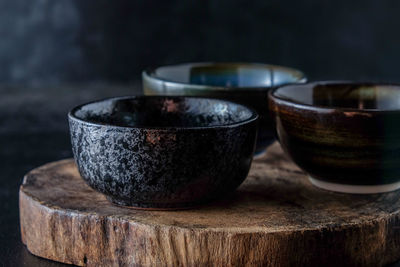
column 276, row 218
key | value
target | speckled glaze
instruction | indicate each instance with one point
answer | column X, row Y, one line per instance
column 245, row 83
column 345, row 135
column 163, row 152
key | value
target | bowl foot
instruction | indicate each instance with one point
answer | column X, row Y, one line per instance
column 259, row 154
column 354, row 189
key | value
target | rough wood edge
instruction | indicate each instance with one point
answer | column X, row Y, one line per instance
column 103, row 241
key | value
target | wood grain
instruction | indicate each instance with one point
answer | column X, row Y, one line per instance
column 276, row 218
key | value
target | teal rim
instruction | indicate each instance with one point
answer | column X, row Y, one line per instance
column 149, row 75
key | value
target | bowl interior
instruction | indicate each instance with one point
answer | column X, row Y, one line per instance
column 343, row 95
column 228, row 74
column 163, row 112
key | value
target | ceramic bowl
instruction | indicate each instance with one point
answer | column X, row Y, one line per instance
column 163, row 152
column 345, row 135
column 245, row 83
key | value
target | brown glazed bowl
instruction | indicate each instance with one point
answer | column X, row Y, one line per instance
column 345, row 135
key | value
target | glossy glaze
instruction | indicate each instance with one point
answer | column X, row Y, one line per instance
column 341, row 133
column 163, row 152
column 240, row 82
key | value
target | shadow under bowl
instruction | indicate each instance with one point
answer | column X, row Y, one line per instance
column 245, row 83
column 163, row 152
column 345, row 135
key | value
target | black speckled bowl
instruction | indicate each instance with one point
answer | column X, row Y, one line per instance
column 346, row 135
column 163, row 152
column 246, row 83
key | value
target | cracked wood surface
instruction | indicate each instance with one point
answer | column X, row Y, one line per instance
column 276, row 218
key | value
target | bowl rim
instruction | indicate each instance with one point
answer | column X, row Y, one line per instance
column 297, row 104
column 149, row 75
column 253, row 117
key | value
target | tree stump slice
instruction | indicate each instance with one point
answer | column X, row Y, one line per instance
column 276, row 218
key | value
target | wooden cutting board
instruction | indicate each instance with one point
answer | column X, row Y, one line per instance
column 276, row 218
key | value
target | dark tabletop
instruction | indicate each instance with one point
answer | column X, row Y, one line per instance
column 34, row 131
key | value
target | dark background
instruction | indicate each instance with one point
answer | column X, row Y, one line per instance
column 55, row 54
column 44, row 41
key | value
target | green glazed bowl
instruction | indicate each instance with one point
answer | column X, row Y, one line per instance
column 245, row 83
